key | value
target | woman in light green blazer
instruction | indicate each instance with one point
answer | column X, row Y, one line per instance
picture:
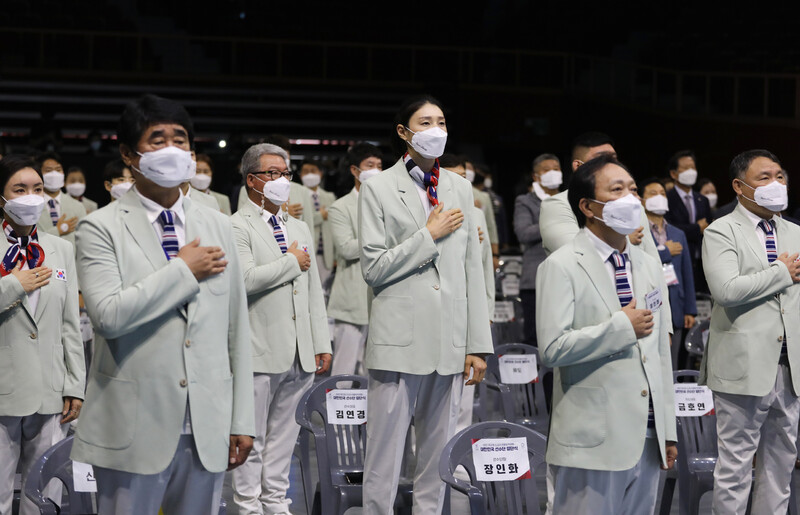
column 42, row 371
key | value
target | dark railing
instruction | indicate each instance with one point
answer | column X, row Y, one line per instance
column 120, row 55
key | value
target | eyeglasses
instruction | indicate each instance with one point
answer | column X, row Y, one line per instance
column 275, row 174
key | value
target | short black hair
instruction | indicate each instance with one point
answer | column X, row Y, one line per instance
column 702, row 182
column 741, row 162
column 583, row 183
column 650, row 180
column 75, row 169
column 313, row 162
column 12, row 163
column 44, row 156
column 360, row 151
column 677, row 156
column 147, row 111
column 448, row 161
column 113, row 170
column 589, row 140
column 404, row 114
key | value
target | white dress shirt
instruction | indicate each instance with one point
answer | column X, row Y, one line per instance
column 762, row 237
column 604, row 250
column 539, row 191
column 267, row 217
column 57, row 200
column 423, row 197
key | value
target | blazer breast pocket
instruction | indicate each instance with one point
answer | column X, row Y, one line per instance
column 218, row 284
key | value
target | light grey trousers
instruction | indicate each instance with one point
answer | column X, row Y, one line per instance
column 394, row 398
column 762, row 426
column 348, row 347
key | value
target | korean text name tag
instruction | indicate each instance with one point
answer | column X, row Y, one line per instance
column 518, row 368
column 83, row 477
column 346, row 407
column 501, row 459
column 693, row 400
column 653, row 300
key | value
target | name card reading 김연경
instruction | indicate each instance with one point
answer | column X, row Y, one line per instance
column 693, row 400
column 501, row 459
column 346, row 407
column 518, row 368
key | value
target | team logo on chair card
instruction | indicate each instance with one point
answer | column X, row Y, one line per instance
column 346, row 407
column 61, row 274
column 501, row 459
column 518, row 369
column 693, row 400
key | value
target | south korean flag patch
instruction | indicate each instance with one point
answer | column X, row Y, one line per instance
column 61, row 274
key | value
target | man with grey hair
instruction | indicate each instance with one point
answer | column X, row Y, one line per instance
column 288, row 321
column 547, row 178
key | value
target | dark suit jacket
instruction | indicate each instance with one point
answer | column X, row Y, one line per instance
column 682, row 298
column 679, row 217
column 526, row 227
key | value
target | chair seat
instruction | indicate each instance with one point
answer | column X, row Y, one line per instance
column 699, row 464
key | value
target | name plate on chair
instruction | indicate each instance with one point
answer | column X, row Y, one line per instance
column 501, row 459
column 503, row 311
column 693, row 400
column 346, row 407
column 83, row 477
column 509, row 285
column 518, row 369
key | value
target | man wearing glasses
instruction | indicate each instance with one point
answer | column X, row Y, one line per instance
column 289, row 325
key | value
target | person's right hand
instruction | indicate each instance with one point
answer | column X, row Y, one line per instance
column 32, row 280
column 703, row 223
column 303, row 259
column 641, row 319
column 674, row 247
column 792, row 264
column 295, row 210
column 204, row 262
column 72, row 223
column 441, row 223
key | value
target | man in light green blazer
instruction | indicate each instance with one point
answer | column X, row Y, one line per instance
column 311, row 176
column 61, row 212
column 752, row 359
column 170, row 396
column 290, row 337
column 199, row 197
column 429, row 325
column 347, row 304
column 42, row 375
column 613, row 418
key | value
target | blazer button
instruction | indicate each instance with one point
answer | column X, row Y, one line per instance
column 188, row 343
column 33, row 336
column 294, row 317
column 644, row 393
column 435, row 286
column 183, row 383
column 295, row 292
column 644, row 359
column 780, row 338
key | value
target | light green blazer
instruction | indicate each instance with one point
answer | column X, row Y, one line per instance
column 286, row 306
column 602, row 371
column 223, row 201
column 429, row 301
column 488, row 211
column 69, row 207
column 755, row 304
column 160, row 336
column 41, row 353
column 348, row 300
column 203, row 199
column 298, row 194
column 486, row 260
column 89, row 205
column 326, row 199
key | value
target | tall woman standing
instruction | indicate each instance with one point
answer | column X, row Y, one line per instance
column 42, row 372
column 429, row 324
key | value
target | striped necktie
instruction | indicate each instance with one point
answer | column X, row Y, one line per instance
column 624, row 291
column 278, row 233
column 768, row 226
column 53, row 211
column 169, row 240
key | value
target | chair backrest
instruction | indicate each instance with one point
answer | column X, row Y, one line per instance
column 339, row 448
column 512, row 330
column 697, row 436
column 704, row 304
column 56, row 464
column 522, row 403
column 695, row 343
column 507, row 497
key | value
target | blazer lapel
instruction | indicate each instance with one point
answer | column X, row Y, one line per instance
column 352, row 210
column 44, row 295
column 409, row 194
column 596, row 271
column 750, row 236
column 141, row 229
column 641, row 281
column 261, row 228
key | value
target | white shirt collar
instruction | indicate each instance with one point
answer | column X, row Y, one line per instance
column 604, row 249
column 57, row 198
column 754, row 218
column 355, row 191
column 539, row 191
column 153, row 208
column 684, row 194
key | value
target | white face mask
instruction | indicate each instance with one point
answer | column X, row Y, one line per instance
column 53, row 181
column 366, row 174
column 119, row 189
column 623, row 215
column 200, row 181
column 712, row 199
column 470, row 175
column 688, row 177
column 774, row 196
column 277, row 191
column 657, row 205
column 24, row 210
column 429, row 143
column 487, row 183
column 551, row 179
column 168, row 167
column 76, row 189
column 311, row 180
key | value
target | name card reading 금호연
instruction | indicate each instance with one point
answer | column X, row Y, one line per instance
column 501, row 459
column 518, row 368
column 693, row 400
column 346, row 407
